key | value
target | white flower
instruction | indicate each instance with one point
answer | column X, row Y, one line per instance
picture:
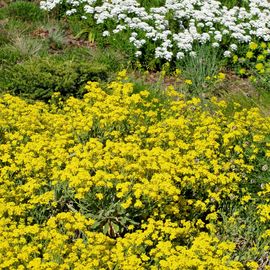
column 134, row 34
column 106, row 34
column 206, row 22
column 180, row 55
column 138, row 53
column 200, row 24
column 89, row 9
column 233, row 47
column 218, row 37
column 70, row 12
column 227, row 54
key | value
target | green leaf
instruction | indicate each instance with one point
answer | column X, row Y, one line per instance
column 91, row 37
column 115, row 227
column 83, row 31
column 106, row 228
column 96, row 225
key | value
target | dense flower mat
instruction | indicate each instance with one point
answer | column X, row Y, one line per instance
column 123, row 179
column 170, row 29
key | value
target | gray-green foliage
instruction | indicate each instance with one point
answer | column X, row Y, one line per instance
column 56, row 36
column 205, row 63
column 28, row 46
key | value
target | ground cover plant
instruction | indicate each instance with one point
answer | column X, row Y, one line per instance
column 199, row 38
column 40, row 78
column 146, row 166
column 40, row 55
column 168, row 30
column 122, row 179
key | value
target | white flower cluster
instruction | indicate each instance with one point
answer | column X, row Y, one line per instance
column 175, row 27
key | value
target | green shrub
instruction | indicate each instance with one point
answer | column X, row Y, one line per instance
column 39, row 78
column 113, row 59
column 25, row 11
column 76, row 54
column 9, row 55
column 3, row 13
column 4, row 37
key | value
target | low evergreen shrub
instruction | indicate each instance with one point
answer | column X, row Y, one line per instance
column 39, row 78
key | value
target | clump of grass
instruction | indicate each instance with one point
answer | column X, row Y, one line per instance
column 196, row 68
column 56, row 36
column 25, row 11
column 27, row 46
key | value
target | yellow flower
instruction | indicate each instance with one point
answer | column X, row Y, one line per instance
column 125, row 158
column 252, row 265
column 242, row 71
column 188, row 82
column 263, row 45
column 258, row 138
column 253, row 45
column 177, row 72
column 100, row 196
column 122, row 74
column 245, row 199
column 127, row 203
column 131, row 227
column 221, row 76
column 259, row 66
column 249, row 54
column 235, row 59
column 260, row 57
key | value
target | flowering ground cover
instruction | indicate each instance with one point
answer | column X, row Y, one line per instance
column 125, row 179
column 169, row 30
column 117, row 148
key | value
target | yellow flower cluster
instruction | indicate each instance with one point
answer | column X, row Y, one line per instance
column 256, row 59
column 122, row 180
